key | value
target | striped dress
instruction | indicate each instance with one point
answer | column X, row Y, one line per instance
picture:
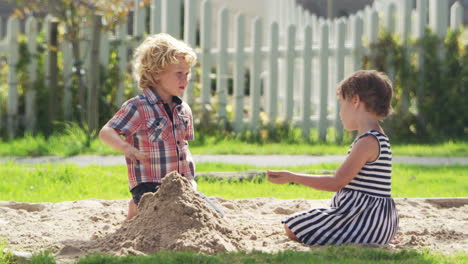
column 363, row 212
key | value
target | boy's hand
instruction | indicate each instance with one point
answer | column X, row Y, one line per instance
column 194, row 184
column 134, row 154
column 278, row 177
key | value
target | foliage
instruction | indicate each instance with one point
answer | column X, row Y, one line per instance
column 72, row 16
column 430, row 80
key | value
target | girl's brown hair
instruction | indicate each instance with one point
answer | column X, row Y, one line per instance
column 373, row 88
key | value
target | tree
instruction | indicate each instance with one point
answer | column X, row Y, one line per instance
column 72, row 15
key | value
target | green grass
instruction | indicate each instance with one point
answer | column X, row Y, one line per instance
column 6, row 256
column 62, row 182
column 75, row 143
column 329, row 254
column 446, row 149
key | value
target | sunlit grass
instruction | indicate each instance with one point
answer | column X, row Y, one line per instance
column 62, row 182
column 345, row 254
column 75, row 144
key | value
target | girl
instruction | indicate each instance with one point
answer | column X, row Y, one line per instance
column 362, row 210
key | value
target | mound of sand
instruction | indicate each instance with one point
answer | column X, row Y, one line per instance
column 173, row 218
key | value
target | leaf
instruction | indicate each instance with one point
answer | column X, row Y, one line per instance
column 18, row 13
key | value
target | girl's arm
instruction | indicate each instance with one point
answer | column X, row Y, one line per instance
column 365, row 150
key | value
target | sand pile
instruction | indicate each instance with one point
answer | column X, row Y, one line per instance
column 173, row 218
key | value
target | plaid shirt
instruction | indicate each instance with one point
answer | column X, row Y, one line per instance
column 147, row 126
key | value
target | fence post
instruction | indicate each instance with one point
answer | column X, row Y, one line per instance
column 190, row 30
column 52, row 68
column 307, row 88
column 122, row 54
column 12, row 60
column 239, row 78
column 323, row 77
column 94, row 71
column 171, row 17
column 405, row 19
column 155, row 16
column 30, row 97
column 104, row 51
column 356, row 23
column 406, row 7
column 139, row 15
column 438, row 16
column 339, row 61
column 65, row 46
column 222, row 68
column 290, row 69
column 373, row 30
column 255, row 81
column 456, row 16
column 272, row 92
column 85, row 61
column 420, row 33
column 206, row 57
column 390, row 17
column 390, row 25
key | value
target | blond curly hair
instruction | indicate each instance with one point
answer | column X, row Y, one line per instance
column 155, row 54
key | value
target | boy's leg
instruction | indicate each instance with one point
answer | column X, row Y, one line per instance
column 132, row 210
column 290, row 233
column 137, row 193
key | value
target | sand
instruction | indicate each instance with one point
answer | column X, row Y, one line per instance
column 177, row 218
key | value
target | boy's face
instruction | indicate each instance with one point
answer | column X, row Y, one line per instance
column 173, row 81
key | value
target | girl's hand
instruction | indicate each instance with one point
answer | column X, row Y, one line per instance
column 279, row 177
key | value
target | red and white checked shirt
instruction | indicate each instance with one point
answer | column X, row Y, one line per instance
column 147, row 126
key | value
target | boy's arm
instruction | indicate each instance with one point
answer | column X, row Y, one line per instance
column 110, row 136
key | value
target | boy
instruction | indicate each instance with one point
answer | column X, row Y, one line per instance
column 156, row 124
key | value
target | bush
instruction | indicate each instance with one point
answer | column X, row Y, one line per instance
column 428, row 98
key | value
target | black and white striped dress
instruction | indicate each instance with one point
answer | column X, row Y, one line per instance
column 363, row 212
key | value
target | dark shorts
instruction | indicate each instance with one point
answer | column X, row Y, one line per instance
column 143, row 188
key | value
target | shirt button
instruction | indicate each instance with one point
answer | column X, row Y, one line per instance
column 182, row 174
column 178, row 142
column 181, row 158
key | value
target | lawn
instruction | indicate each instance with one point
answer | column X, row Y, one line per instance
column 76, row 143
column 62, row 182
column 328, row 254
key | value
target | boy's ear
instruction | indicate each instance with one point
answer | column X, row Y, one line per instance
column 155, row 78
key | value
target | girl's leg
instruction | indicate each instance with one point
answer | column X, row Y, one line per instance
column 290, row 234
column 132, row 210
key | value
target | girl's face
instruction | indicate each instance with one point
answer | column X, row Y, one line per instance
column 347, row 112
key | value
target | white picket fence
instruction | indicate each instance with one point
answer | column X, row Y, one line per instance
column 294, row 59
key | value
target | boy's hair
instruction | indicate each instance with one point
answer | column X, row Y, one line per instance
column 155, row 54
column 373, row 88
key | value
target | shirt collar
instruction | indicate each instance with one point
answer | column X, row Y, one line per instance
column 153, row 98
